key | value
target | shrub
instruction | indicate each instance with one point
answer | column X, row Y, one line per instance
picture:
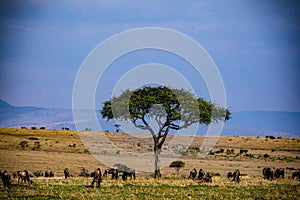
column 33, row 138
column 23, row 144
column 266, row 155
column 178, row 164
column 36, row 146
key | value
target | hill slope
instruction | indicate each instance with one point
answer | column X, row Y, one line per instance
column 255, row 123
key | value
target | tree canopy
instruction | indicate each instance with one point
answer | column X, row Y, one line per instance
column 179, row 105
column 169, row 108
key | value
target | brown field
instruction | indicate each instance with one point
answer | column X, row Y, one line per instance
column 57, row 149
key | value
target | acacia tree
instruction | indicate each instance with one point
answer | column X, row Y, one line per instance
column 169, row 108
column 177, row 164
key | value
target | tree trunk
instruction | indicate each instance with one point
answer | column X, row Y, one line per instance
column 157, row 173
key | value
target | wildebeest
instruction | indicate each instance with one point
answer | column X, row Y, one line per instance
column 97, row 177
column 193, row 174
column 201, row 174
column 84, row 172
column 15, row 174
column 128, row 173
column 208, row 178
column 268, row 173
column 23, row 176
column 38, row 173
column 114, row 173
column 5, row 179
column 236, row 176
column 296, row 175
column 279, row 173
column 49, row 174
column 229, row 175
column 66, row 173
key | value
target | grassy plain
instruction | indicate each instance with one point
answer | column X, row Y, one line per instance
column 57, row 149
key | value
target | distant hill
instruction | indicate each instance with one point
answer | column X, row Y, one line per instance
column 251, row 123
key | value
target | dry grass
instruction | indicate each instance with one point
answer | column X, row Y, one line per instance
column 57, row 151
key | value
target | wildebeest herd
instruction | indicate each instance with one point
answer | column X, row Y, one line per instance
column 125, row 172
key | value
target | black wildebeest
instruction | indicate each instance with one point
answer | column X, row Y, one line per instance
column 279, row 173
column 268, row 173
column 5, row 179
column 114, row 173
column 66, row 173
column 236, row 176
column 193, row 174
column 296, row 175
column 97, row 177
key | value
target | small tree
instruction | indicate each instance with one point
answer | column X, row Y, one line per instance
column 169, row 108
column 178, row 164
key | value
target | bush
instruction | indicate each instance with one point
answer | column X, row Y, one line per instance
column 33, row 138
column 36, row 146
column 178, row 164
column 266, row 155
column 23, row 144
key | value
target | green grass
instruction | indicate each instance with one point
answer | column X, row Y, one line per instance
column 221, row 188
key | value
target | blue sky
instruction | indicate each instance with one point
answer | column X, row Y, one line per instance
column 255, row 44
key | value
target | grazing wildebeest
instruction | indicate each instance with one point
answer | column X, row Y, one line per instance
column 24, row 177
column 208, row 178
column 23, row 127
column 33, row 128
column 66, row 173
column 42, row 128
column 236, row 176
column 268, row 173
column 114, row 173
column 15, row 174
column 193, row 174
column 296, row 175
column 201, row 174
column 128, row 173
column 49, row 174
column 38, row 173
column 279, row 173
column 97, row 177
column 84, row 172
column 229, row 175
column 5, row 179
column 204, row 177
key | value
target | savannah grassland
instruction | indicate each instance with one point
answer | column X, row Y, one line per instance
column 57, row 149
